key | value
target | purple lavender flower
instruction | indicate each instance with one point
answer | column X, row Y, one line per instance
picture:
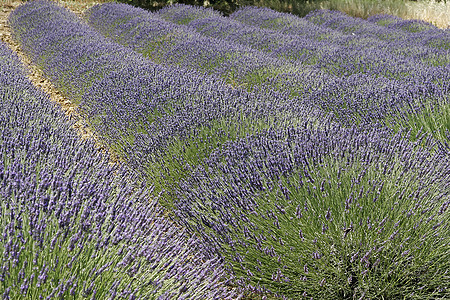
column 254, row 185
column 59, row 192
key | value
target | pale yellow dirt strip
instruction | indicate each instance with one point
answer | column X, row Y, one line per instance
column 37, row 76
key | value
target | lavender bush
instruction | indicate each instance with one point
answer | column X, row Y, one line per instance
column 170, row 44
column 167, row 43
column 326, row 214
column 217, row 25
column 293, row 203
column 347, row 31
column 161, row 120
column 428, row 46
column 419, row 31
column 422, row 37
column 187, row 13
column 383, row 19
column 73, row 225
column 361, row 97
column 412, row 26
column 248, row 195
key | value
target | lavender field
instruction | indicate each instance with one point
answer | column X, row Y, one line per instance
column 262, row 156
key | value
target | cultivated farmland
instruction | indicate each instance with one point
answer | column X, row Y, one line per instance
column 260, row 155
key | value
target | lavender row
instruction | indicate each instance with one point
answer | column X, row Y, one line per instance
column 414, row 38
column 411, row 26
column 152, row 30
column 338, row 22
column 350, row 57
column 344, row 23
column 318, row 155
column 324, row 49
column 172, row 44
column 306, row 50
column 326, row 214
column 167, row 43
column 185, row 14
column 161, row 120
column 216, row 25
column 346, row 31
column 72, row 224
column 359, row 98
column 419, row 31
column 216, row 206
column 405, row 31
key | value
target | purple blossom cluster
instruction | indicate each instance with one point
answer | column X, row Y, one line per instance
column 148, row 113
column 172, row 44
column 72, row 224
column 334, row 214
column 348, row 32
column 285, row 199
column 358, row 90
column 421, row 32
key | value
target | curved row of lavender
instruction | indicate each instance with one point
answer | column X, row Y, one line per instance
column 428, row 47
column 161, row 120
column 359, row 98
column 171, row 44
column 186, row 14
column 332, row 214
column 257, row 201
column 418, row 31
column 166, row 43
column 344, row 24
column 74, row 226
column 415, row 38
column 412, row 32
column 332, row 51
column 317, row 212
column 409, row 26
column 308, row 50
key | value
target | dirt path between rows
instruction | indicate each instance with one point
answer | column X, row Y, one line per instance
column 37, row 76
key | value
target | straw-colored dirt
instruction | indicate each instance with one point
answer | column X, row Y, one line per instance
column 437, row 13
column 432, row 11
